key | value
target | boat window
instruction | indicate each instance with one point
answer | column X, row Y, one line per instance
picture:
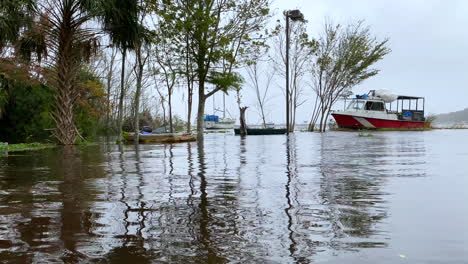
column 356, row 105
column 374, row 106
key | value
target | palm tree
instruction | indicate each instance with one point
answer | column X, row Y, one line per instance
column 72, row 44
column 57, row 28
column 16, row 17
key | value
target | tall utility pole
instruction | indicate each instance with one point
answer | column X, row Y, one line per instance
column 294, row 15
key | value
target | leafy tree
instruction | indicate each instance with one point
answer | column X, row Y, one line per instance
column 28, row 110
column 65, row 25
column 344, row 59
column 58, row 29
column 27, row 115
column 16, row 22
column 218, row 33
column 90, row 107
column 16, row 16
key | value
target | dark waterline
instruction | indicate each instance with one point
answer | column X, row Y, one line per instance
column 396, row 197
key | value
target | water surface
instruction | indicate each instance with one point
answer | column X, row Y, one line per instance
column 396, row 197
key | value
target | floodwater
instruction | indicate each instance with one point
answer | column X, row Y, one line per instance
column 395, row 197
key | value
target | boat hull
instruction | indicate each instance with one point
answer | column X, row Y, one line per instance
column 362, row 122
column 262, row 131
column 164, row 138
column 219, row 126
column 222, row 124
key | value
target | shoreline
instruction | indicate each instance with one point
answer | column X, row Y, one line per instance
column 6, row 148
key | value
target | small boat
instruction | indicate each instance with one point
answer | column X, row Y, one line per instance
column 374, row 111
column 214, row 122
column 164, row 138
column 262, row 131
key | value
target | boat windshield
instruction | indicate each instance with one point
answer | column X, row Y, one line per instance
column 356, row 105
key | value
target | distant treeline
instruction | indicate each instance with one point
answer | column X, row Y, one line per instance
column 453, row 117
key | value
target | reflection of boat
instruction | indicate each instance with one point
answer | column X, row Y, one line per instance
column 374, row 111
column 262, row 131
column 214, row 122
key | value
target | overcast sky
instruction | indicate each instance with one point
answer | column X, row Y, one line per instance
column 429, row 57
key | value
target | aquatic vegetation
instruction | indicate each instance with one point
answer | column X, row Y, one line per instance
column 217, row 132
column 430, row 121
column 5, row 147
column 362, row 134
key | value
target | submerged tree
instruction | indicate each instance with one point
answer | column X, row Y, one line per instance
column 72, row 45
column 59, row 29
column 260, row 79
column 344, row 59
column 168, row 71
column 189, row 72
column 120, row 19
column 20, row 35
column 242, row 110
column 217, row 33
column 108, row 64
column 142, row 43
column 300, row 55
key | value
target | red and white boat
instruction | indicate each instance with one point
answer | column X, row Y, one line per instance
column 374, row 111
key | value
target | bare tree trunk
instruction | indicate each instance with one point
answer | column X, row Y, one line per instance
column 189, row 104
column 243, row 124
column 263, row 118
column 122, row 96
column 189, row 85
column 293, row 119
column 200, row 116
column 110, row 75
column 164, row 114
column 319, row 112
column 169, row 102
column 322, row 117
column 136, row 109
column 311, row 127
column 326, row 121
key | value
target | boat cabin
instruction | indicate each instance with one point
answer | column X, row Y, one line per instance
column 410, row 108
column 407, row 108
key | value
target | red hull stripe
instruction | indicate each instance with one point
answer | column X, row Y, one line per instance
column 348, row 121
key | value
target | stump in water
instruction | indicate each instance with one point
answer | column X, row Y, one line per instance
column 243, row 125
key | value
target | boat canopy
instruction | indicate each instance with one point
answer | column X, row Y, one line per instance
column 404, row 97
column 213, row 118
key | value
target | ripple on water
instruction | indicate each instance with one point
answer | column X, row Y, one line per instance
column 307, row 198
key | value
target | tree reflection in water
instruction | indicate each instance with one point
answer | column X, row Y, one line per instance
column 291, row 173
column 133, row 248
column 209, row 253
column 351, row 188
column 228, row 199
